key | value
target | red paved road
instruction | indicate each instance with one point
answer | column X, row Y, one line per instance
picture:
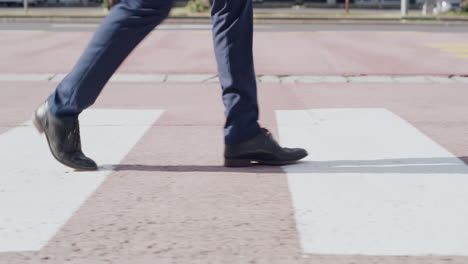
column 313, row 53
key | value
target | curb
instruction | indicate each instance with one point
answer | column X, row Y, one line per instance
column 278, row 79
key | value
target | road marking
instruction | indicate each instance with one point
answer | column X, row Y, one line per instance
column 68, row 25
column 451, row 45
column 183, row 78
column 299, row 32
column 38, row 195
column 202, row 78
column 457, row 50
column 15, row 30
column 402, row 32
column 163, row 27
column 198, row 26
column 184, row 26
column 461, row 79
column 135, row 77
column 412, row 79
column 374, row 185
column 168, row 27
column 25, row 77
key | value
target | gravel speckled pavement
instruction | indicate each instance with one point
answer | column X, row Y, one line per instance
column 383, row 115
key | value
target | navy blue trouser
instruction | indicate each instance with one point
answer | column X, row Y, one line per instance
column 129, row 22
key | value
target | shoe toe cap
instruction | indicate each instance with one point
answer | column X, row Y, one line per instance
column 297, row 153
column 82, row 162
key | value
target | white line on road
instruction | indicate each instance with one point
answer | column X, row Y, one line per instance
column 184, row 26
column 25, row 77
column 38, row 195
column 199, row 78
column 69, row 25
column 374, row 185
column 161, row 27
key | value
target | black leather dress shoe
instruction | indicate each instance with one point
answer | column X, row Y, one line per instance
column 262, row 149
column 64, row 140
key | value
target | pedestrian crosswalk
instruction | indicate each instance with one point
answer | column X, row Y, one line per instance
column 381, row 188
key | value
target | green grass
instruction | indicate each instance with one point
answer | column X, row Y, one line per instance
column 460, row 13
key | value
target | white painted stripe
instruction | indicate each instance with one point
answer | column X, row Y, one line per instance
column 59, row 77
column 160, row 27
column 269, row 79
column 197, row 78
column 88, row 26
column 461, row 79
column 164, row 26
column 192, row 26
column 138, row 78
column 189, row 77
column 197, row 26
column 21, row 31
column 439, row 79
column 371, row 79
column 322, row 79
column 374, row 185
column 184, row 26
column 38, row 195
column 69, row 25
column 25, row 77
column 411, row 79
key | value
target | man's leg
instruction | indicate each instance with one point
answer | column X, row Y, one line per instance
column 246, row 142
column 232, row 36
column 120, row 32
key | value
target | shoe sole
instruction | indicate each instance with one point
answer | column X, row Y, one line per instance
column 40, row 128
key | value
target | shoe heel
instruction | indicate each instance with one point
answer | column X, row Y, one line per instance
column 37, row 124
column 237, row 163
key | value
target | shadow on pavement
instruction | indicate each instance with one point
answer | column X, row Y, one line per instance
column 443, row 165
